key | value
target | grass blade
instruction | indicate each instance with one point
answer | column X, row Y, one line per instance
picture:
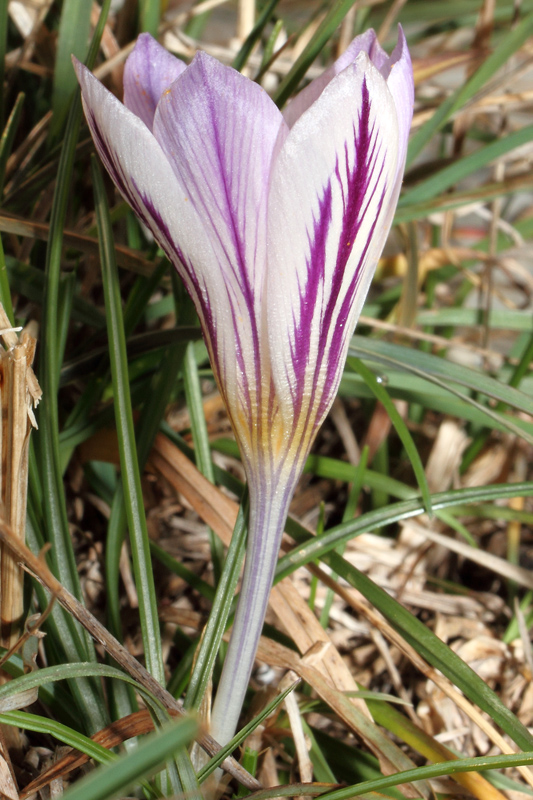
column 509, row 44
column 140, row 547
column 73, row 38
column 116, row 778
column 401, row 428
column 333, row 18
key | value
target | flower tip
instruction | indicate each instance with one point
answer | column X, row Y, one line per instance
column 145, row 38
column 402, row 41
column 79, row 68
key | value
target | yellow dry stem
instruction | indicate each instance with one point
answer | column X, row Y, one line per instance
column 19, row 394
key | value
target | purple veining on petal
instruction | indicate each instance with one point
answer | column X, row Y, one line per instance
column 200, row 297
column 145, row 208
column 113, row 166
column 356, row 199
column 302, row 317
column 215, row 111
column 356, row 205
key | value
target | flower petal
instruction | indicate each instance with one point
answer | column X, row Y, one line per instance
column 220, row 132
column 402, row 88
column 149, row 71
column 329, row 216
column 304, row 99
column 141, row 172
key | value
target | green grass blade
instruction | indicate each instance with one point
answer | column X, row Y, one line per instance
column 510, row 43
column 244, row 53
column 61, row 672
column 447, row 177
column 4, row 21
column 478, row 194
column 140, row 547
column 216, row 624
column 368, row 789
column 432, row 771
column 242, row 735
column 77, row 646
column 54, row 500
column 409, row 359
column 5, row 292
column 413, row 631
column 151, row 415
column 401, row 428
column 193, row 397
column 333, row 18
column 116, row 778
column 444, row 374
column 73, row 39
column 50, row 727
column 149, row 13
column 319, row 546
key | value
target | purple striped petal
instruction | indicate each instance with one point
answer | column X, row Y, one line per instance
column 329, row 216
column 366, row 43
column 304, row 99
column 142, row 173
column 402, row 88
column 220, row 132
column 149, row 71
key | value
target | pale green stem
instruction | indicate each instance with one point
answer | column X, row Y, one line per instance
column 268, row 511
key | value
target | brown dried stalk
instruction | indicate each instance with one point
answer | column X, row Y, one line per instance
column 19, row 394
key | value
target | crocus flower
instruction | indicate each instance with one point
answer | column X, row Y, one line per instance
column 275, row 222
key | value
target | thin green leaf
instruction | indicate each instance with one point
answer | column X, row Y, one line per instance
column 149, row 13
column 215, row 762
column 116, row 778
column 244, row 53
column 413, row 631
column 77, row 643
column 452, row 200
column 50, row 727
column 140, row 547
column 8, row 136
column 73, row 39
column 216, row 624
column 459, row 170
column 401, row 428
column 499, row 318
column 193, row 396
column 510, row 43
column 333, row 18
column 4, row 20
column 315, row 547
column 444, row 374
column 427, row 772
column 61, row 672
column 5, row 292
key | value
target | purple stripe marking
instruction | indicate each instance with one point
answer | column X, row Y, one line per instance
column 144, row 207
column 356, row 200
column 244, row 273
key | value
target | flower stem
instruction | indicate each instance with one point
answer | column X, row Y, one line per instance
column 268, row 512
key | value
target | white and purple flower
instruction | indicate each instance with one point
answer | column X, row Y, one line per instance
column 275, row 222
